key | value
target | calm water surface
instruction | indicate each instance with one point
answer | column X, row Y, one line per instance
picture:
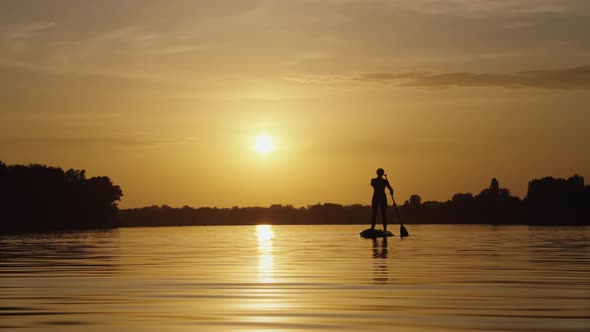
column 297, row 278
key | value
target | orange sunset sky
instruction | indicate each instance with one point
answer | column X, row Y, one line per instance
column 167, row 98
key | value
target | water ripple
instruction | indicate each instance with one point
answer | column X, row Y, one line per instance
column 297, row 278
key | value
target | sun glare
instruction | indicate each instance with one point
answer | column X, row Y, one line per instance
column 265, row 256
column 264, row 144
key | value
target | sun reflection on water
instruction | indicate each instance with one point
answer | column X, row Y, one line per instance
column 265, row 257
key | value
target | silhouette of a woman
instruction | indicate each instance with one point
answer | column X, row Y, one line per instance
column 379, row 200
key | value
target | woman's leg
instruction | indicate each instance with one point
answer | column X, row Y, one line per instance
column 384, row 214
column 374, row 207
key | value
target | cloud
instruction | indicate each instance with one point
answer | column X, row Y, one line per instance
column 503, row 7
column 135, row 142
column 561, row 78
column 318, row 79
column 26, row 31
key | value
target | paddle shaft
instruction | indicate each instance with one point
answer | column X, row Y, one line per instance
column 396, row 210
column 395, row 205
column 403, row 232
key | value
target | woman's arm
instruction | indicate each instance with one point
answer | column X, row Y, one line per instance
column 389, row 187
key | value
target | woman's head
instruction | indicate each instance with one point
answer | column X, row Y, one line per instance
column 380, row 172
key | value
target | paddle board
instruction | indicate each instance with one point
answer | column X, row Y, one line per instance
column 373, row 233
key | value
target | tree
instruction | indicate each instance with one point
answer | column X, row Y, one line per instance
column 558, row 201
column 462, row 198
column 494, row 186
column 415, row 200
column 37, row 197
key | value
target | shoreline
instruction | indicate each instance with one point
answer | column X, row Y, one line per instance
column 76, row 230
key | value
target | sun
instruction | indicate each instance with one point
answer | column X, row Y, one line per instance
column 264, row 144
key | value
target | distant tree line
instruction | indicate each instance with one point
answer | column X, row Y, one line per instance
column 38, row 198
column 549, row 201
column 327, row 213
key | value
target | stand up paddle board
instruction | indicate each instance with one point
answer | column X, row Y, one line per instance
column 373, row 233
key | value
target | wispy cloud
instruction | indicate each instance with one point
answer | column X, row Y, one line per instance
column 122, row 52
column 318, row 79
column 137, row 141
column 485, row 7
column 561, row 78
column 26, row 31
column 74, row 71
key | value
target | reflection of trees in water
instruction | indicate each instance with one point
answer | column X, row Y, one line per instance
column 380, row 265
column 58, row 252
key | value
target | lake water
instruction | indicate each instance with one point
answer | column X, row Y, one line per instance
column 297, row 278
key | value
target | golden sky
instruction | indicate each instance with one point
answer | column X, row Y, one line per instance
column 168, row 97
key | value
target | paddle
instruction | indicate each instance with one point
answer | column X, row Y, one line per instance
column 403, row 232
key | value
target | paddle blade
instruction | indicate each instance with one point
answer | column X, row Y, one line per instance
column 403, row 232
